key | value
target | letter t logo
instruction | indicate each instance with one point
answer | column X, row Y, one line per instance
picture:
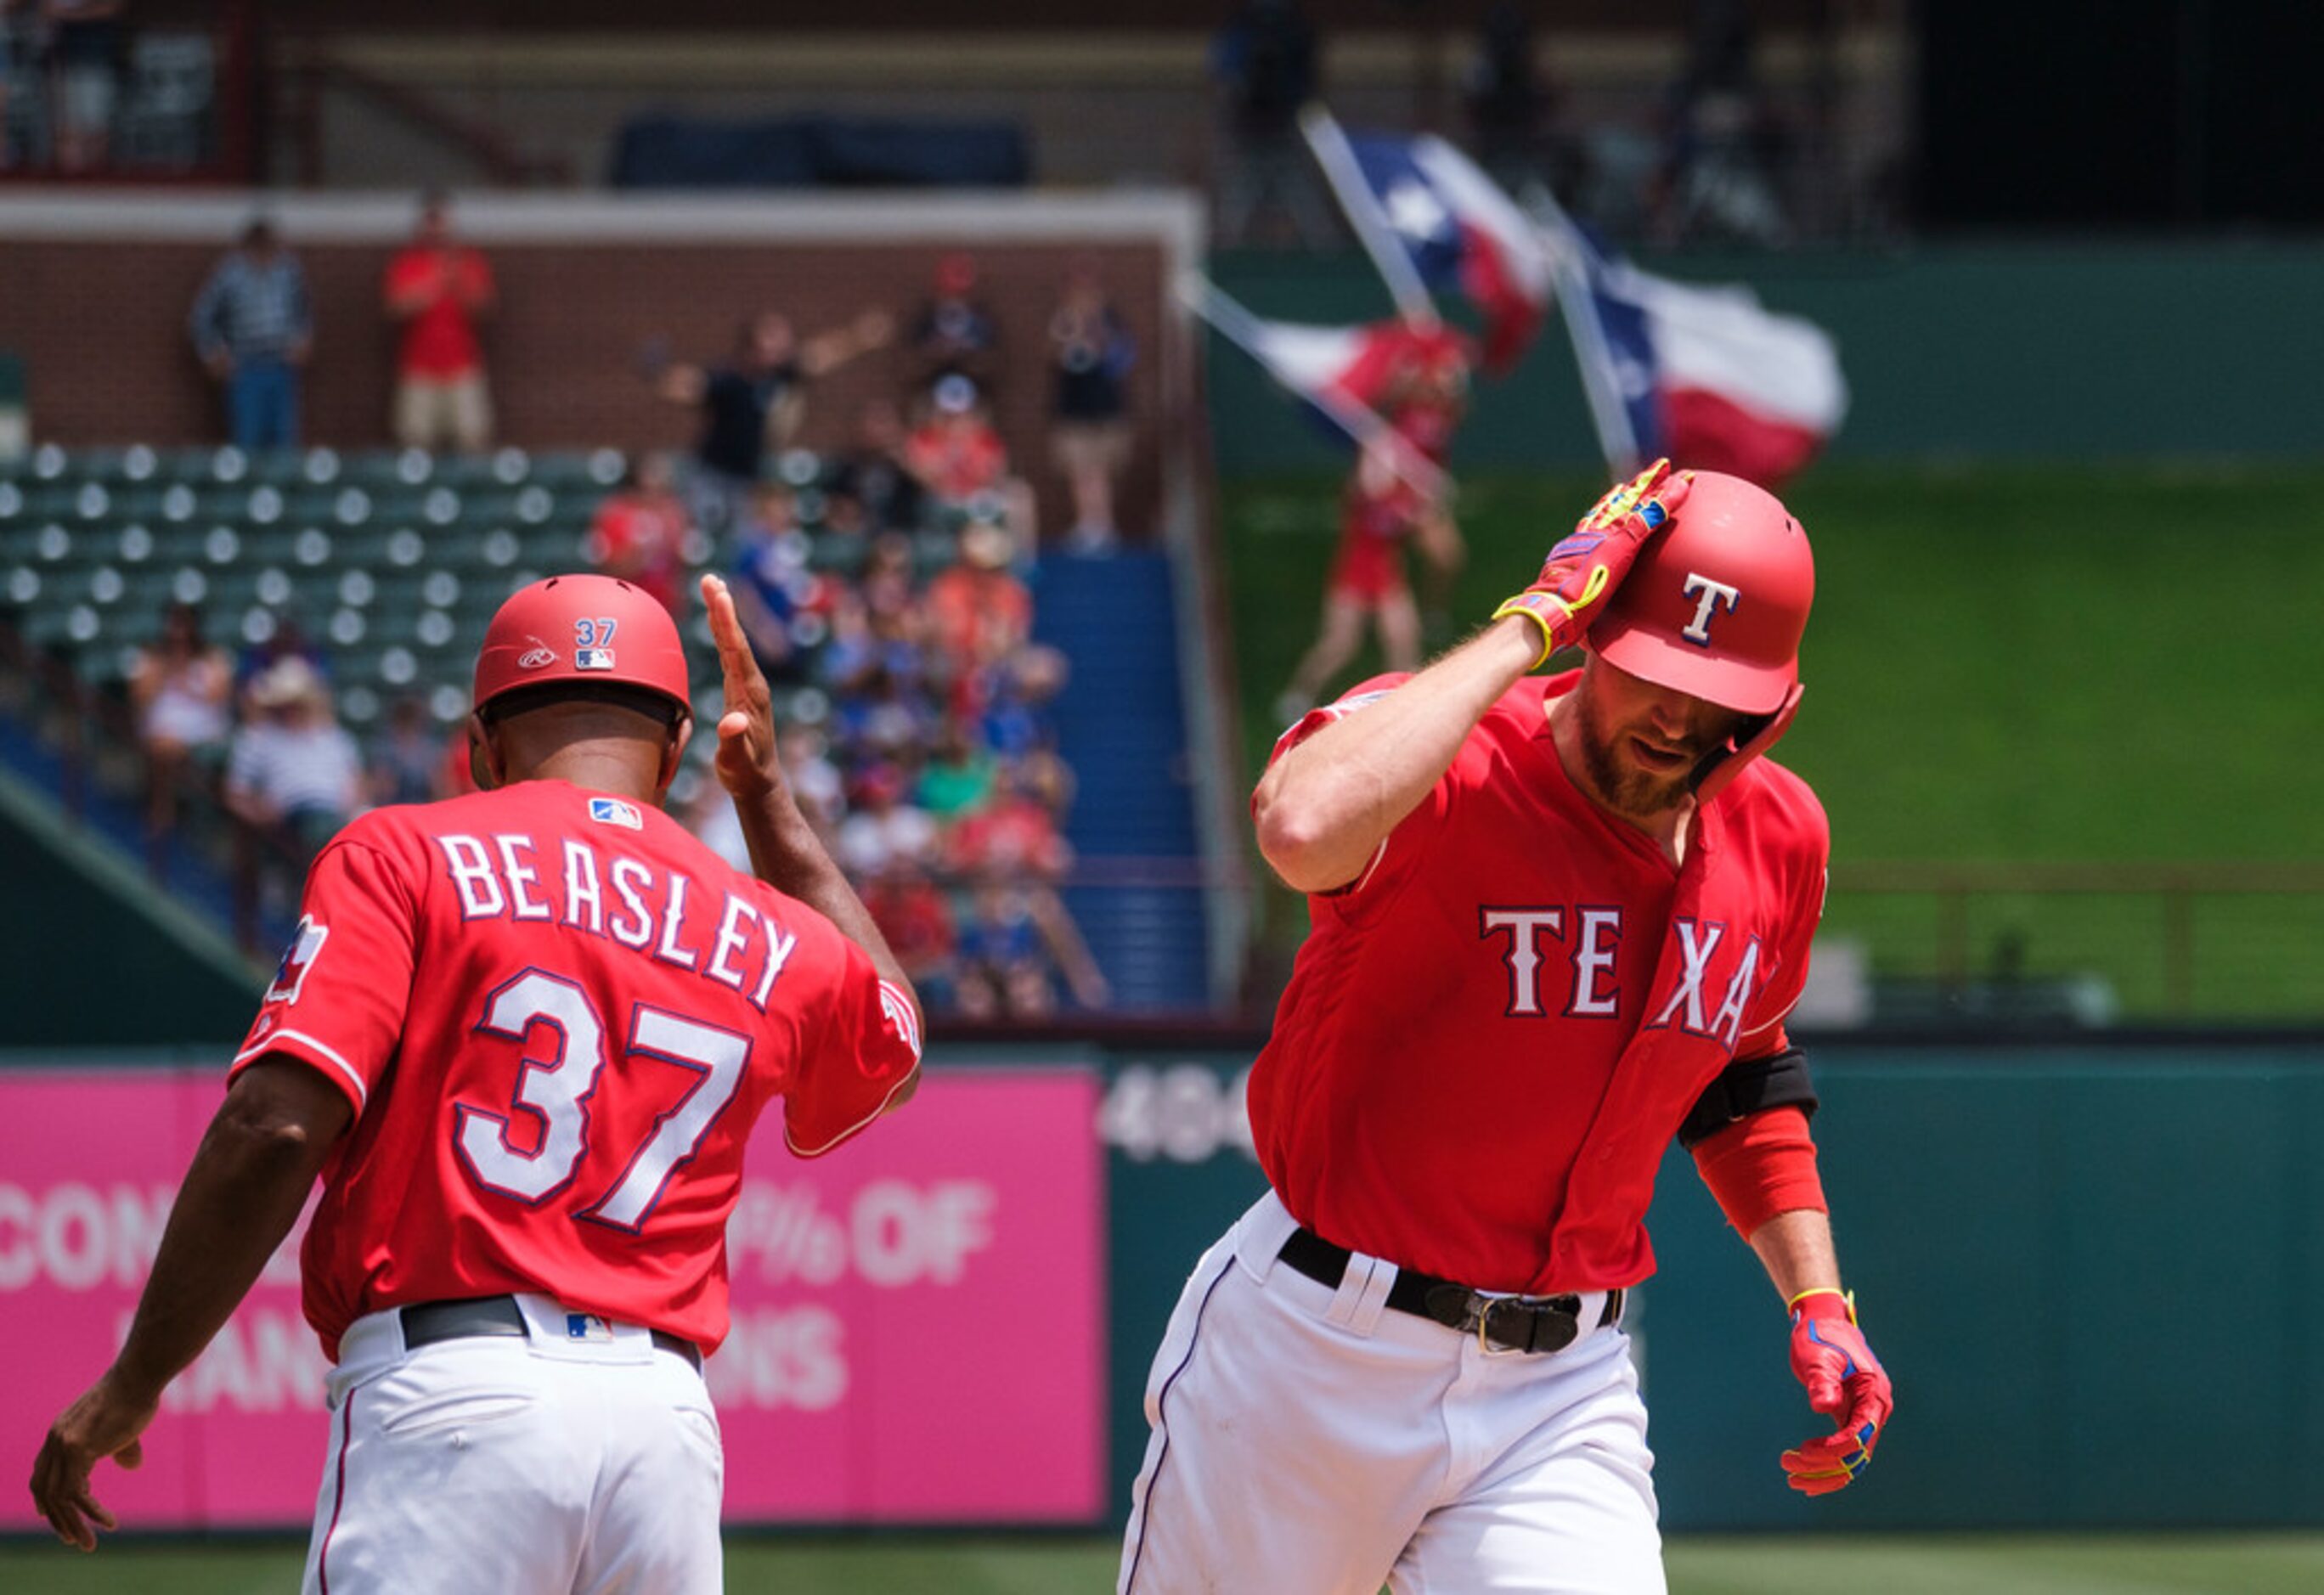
column 1716, row 596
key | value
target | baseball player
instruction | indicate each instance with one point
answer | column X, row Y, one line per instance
column 1555, row 923
column 523, row 1037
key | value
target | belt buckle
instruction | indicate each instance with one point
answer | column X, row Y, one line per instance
column 1485, row 1305
column 1536, row 1308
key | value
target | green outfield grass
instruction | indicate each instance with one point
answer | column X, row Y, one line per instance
column 2076, row 665
column 1968, row 1564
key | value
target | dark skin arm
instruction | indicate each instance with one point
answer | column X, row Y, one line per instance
column 248, row 1180
column 785, row 852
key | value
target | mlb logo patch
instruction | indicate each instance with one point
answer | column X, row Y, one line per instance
column 298, row 958
column 613, row 811
column 587, row 1327
column 593, row 659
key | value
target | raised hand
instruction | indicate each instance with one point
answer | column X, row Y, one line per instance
column 750, row 767
column 1587, row 565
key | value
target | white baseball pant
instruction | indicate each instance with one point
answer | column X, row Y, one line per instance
column 1307, row 1441
column 577, row 1458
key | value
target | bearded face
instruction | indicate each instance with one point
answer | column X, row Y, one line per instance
column 1640, row 743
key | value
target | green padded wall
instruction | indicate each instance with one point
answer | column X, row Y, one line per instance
column 2017, row 350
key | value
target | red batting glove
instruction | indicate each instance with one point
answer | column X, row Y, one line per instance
column 1845, row 1379
column 1586, row 567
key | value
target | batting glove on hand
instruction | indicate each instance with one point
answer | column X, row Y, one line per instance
column 1585, row 567
column 1829, row 1357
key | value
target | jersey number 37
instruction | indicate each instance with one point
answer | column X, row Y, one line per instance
column 556, row 1091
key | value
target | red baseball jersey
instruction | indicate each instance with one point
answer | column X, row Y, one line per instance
column 1491, row 1038
column 557, row 1016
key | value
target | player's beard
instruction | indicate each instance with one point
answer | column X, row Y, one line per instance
column 1630, row 791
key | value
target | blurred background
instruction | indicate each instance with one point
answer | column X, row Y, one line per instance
column 1074, row 394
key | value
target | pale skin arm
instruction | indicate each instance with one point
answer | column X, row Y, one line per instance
column 1323, row 809
column 241, row 1194
column 1795, row 1248
column 826, row 351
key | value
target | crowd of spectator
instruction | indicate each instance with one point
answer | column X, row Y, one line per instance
column 885, row 586
column 256, row 735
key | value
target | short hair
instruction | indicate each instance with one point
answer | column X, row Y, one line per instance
column 620, row 694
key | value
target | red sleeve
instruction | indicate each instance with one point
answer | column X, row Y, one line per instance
column 867, row 1048
column 1402, row 845
column 337, row 1000
column 1761, row 1165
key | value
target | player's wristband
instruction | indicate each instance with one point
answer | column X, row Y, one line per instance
column 1847, row 1297
column 1537, row 607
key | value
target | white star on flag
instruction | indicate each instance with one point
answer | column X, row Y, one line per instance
column 1414, row 211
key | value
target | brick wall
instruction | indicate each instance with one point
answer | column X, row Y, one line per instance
column 102, row 328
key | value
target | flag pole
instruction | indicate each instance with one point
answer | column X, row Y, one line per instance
column 1564, row 244
column 1337, row 157
column 1363, row 424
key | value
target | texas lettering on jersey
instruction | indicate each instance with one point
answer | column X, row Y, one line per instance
column 557, row 1017
column 1581, row 994
column 1591, row 989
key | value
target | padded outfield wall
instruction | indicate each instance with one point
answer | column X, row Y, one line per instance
column 2096, row 1273
column 1968, row 351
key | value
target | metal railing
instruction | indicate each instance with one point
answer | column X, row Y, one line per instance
column 2218, row 938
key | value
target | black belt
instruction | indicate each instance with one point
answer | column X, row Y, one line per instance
column 428, row 1322
column 1511, row 1323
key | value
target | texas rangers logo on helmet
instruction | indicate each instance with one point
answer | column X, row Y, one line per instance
column 1715, row 596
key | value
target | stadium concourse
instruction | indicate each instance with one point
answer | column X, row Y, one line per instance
column 384, row 567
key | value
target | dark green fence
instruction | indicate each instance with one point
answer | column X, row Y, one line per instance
column 1992, row 351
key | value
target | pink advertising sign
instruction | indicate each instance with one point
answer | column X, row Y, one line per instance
column 918, row 1318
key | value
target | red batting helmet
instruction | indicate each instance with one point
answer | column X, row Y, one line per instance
column 1716, row 603
column 591, row 629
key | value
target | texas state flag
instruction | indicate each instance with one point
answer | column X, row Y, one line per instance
column 1462, row 233
column 1356, row 364
column 1706, row 375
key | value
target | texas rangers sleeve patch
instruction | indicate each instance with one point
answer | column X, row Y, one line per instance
column 298, row 958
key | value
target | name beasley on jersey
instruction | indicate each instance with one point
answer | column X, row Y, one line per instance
column 1593, row 992
column 499, row 877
